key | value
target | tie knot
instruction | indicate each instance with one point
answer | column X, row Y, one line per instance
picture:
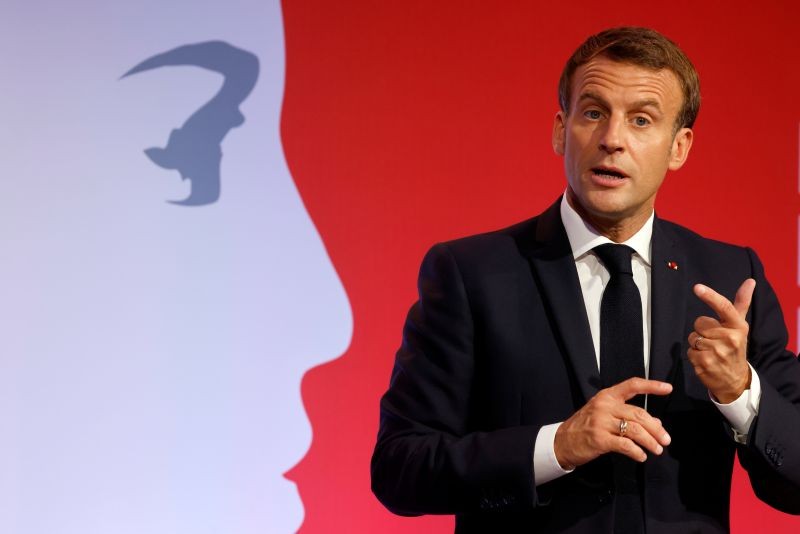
column 616, row 258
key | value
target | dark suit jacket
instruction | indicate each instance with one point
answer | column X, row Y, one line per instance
column 499, row 345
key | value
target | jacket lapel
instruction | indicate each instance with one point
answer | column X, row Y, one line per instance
column 668, row 309
column 557, row 279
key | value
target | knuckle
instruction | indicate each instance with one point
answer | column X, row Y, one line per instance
column 640, row 416
column 697, row 360
column 706, row 361
column 726, row 306
column 730, row 337
column 627, row 446
column 595, row 405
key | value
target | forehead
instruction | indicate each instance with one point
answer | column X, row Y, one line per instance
column 615, row 80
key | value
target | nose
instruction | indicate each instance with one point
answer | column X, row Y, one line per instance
column 611, row 135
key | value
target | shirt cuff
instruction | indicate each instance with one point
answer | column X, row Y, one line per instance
column 545, row 465
column 741, row 412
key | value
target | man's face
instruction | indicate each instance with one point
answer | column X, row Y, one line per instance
column 618, row 140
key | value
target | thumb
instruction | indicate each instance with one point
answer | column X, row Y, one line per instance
column 744, row 295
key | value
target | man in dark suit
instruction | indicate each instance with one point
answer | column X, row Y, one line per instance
column 519, row 400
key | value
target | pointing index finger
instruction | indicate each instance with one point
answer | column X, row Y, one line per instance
column 641, row 386
column 728, row 312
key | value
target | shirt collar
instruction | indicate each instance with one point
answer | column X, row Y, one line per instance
column 583, row 237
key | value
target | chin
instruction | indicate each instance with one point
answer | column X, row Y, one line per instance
column 602, row 204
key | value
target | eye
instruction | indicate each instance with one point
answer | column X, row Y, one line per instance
column 592, row 114
column 641, row 121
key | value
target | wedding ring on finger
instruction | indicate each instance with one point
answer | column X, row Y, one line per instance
column 697, row 341
column 623, row 427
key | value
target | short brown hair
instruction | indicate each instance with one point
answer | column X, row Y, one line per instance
column 642, row 47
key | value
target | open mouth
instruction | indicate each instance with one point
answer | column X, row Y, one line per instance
column 606, row 172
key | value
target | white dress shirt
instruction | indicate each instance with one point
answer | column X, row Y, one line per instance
column 593, row 277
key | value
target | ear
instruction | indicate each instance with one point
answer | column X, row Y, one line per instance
column 559, row 133
column 681, row 145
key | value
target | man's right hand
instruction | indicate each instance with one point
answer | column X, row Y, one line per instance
column 594, row 430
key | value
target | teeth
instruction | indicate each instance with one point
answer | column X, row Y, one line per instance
column 608, row 174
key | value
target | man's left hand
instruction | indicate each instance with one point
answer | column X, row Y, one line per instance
column 718, row 347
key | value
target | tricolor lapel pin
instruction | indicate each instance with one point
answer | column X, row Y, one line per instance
column 672, row 265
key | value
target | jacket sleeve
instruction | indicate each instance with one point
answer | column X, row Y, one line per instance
column 772, row 454
column 428, row 457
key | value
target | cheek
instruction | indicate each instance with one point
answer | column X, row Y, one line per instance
column 654, row 155
column 577, row 146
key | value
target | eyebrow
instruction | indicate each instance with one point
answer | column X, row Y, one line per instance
column 590, row 95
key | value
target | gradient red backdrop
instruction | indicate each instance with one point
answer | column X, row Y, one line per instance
column 407, row 123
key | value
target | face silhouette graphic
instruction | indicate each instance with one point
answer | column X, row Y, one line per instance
column 153, row 352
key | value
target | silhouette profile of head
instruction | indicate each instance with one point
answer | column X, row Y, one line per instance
column 155, row 354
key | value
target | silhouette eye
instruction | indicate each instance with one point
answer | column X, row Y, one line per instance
column 592, row 114
column 641, row 121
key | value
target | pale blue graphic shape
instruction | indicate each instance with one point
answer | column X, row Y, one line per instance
column 150, row 357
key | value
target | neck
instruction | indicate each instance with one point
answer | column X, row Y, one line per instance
column 617, row 230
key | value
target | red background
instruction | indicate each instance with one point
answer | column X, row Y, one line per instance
column 407, row 123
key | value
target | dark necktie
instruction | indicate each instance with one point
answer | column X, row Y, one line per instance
column 621, row 357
